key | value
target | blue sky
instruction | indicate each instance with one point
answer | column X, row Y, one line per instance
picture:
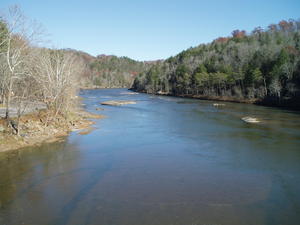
column 148, row 30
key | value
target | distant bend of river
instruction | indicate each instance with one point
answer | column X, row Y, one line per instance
column 162, row 161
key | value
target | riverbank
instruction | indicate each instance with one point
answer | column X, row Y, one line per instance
column 39, row 127
column 291, row 104
column 204, row 97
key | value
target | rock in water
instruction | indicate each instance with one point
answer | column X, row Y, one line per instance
column 249, row 119
column 129, row 93
column 218, row 104
column 117, row 103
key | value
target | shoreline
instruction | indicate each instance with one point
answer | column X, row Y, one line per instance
column 34, row 132
column 254, row 101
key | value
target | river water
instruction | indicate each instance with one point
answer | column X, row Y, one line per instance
column 162, row 161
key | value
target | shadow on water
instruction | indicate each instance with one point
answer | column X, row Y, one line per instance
column 33, row 180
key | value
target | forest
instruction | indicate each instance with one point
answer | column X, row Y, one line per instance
column 262, row 66
column 109, row 71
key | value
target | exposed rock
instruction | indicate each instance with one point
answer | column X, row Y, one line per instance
column 218, row 104
column 162, row 93
column 99, row 109
column 249, row 119
column 129, row 93
column 118, row 103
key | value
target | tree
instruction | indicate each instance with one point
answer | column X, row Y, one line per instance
column 238, row 34
column 57, row 74
column 183, row 79
column 262, row 64
column 17, row 37
column 257, row 31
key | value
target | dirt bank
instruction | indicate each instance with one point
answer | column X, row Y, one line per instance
column 42, row 126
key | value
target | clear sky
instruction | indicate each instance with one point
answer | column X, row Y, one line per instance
column 148, row 30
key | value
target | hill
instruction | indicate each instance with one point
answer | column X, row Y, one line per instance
column 262, row 66
column 109, row 71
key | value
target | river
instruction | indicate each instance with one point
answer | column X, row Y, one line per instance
column 162, row 161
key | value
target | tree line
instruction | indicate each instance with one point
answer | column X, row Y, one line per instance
column 262, row 66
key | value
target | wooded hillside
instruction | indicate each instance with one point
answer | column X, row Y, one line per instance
column 261, row 66
column 112, row 71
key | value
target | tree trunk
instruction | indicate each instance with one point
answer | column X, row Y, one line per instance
column 265, row 87
column 8, row 98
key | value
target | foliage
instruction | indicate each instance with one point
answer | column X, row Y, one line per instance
column 111, row 71
column 262, row 65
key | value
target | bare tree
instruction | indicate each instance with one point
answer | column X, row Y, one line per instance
column 16, row 43
column 57, row 74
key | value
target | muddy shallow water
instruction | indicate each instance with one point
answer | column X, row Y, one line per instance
column 161, row 161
